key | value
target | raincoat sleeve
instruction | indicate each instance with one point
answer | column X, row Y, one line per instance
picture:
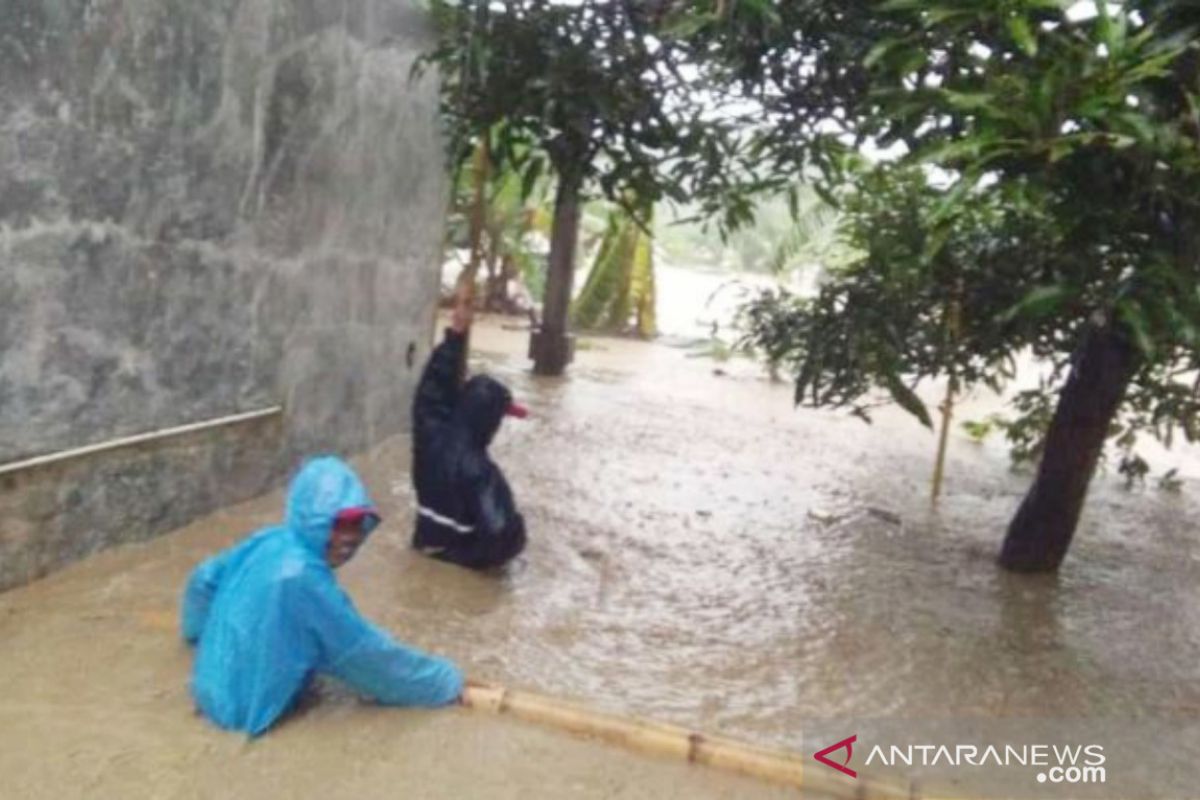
column 438, row 390
column 369, row 660
column 203, row 584
column 197, row 596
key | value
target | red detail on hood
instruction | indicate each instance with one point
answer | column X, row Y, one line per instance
column 355, row 515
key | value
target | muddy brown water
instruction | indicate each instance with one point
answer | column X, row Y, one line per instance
column 700, row 553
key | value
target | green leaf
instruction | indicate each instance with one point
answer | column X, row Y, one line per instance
column 1109, row 31
column 978, row 430
column 908, row 400
column 1022, row 33
column 951, row 200
column 1060, row 147
column 951, row 151
column 936, row 240
column 876, row 53
column 1130, row 312
column 687, row 25
column 937, row 16
column 1158, row 66
column 531, row 177
column 765, row 9
column 967, row 101
column 825, row 194
column 903, row 5
column 1039, row 302
column 1138, row 125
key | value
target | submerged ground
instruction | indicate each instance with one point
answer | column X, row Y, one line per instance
column 700, row 553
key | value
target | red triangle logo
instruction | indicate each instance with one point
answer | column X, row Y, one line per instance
column 848, row 745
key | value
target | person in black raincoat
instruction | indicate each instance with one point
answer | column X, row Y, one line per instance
column 465, row 509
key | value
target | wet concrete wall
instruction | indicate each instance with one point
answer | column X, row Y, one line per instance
column 205, row 209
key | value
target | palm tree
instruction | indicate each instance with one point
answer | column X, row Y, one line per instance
column 790, row 232
column 619, row 294
column 810, row 236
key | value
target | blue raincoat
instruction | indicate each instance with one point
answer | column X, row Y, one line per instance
column 268, row 613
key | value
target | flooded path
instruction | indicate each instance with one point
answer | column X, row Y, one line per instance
column 699, row 553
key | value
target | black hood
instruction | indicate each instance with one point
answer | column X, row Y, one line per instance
column 481, row 408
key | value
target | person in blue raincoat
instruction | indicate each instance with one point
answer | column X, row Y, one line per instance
column 267, row 614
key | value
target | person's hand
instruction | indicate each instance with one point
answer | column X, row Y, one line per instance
column 461, row 319
column 464, row 698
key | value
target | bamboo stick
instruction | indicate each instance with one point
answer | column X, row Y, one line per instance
column 953, row 326
column 658, row 739
column 939, row 464
column 669, row 741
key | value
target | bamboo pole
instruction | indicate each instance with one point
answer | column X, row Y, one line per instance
column 669, row 741
column 657, row 739
column 953, row 323
column 939, row 464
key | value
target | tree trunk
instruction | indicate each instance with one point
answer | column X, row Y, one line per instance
column 499, row 294
column 645, row 294
column 465, row 287
column 493, row 291
column 493, row 254
column 550, row 347
column 1040, row 533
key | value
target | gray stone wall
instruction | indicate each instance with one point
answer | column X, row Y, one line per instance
column 205, row 208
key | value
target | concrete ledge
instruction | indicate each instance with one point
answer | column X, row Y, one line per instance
column 59, row 512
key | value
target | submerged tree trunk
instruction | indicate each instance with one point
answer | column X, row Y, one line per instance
column 1040, row 533
column 550, row 347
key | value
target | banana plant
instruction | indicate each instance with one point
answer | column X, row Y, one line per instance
column 619, row 294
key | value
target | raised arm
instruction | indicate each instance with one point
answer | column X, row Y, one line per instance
column 437, row 392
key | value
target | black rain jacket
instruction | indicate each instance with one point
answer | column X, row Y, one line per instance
column 466, row 513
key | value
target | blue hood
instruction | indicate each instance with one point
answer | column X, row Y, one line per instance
column 324, row 486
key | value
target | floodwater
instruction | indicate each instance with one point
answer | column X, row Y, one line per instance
column 700, row 553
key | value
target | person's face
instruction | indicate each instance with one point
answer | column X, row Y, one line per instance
column 344, row 542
